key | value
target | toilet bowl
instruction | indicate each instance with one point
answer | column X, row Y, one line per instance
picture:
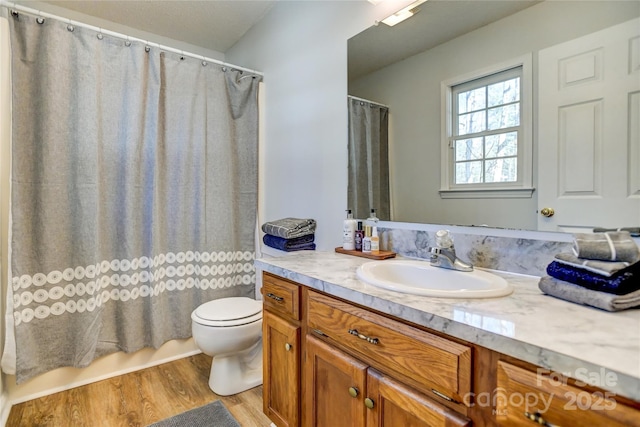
column 230, row 330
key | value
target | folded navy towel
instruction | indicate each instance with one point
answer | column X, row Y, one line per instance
column 608, row 246
column 620, row 283
column 290, row 228
column 577, row 294
column 290, row 245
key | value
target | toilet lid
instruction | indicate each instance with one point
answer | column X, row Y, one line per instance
column 229, row 311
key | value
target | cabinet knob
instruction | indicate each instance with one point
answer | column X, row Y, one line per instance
column 368, row 402
column 353, row 392
column 287, row 347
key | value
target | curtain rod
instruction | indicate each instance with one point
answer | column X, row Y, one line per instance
column 366, row 100
column 36, row 13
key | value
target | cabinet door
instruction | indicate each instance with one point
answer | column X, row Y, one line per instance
column 281, row 382
column 335, row 387
column 551, row 400
column 395, row 404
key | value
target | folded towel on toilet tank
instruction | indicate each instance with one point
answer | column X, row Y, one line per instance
column 289, row 228
column 290, row 245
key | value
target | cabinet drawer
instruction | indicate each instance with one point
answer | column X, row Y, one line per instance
column 443, row 365
column 281, row 296
column 554, row 401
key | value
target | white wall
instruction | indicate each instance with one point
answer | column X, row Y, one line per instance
column 301, row 47
column 412, row 90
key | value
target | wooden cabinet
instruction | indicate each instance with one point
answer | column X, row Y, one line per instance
column 281, row 351
column 545, row 398
column 331, row 363
column 343, row 391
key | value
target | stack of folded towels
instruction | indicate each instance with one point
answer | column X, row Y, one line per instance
column 290, row 234
column 602, row 271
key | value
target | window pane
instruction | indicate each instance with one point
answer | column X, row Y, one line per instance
column 468, row 172
column 504, row 92
column 501, row 170
column 472, row 100
column 469, row 149
column 502, row 145
column 504, row 117
column 471, row 123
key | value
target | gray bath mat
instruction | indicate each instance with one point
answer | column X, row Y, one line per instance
column 213, row 414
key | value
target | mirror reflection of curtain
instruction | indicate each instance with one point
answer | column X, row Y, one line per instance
column 368, row 159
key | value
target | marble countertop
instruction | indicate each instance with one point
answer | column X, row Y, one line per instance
column 588, row 344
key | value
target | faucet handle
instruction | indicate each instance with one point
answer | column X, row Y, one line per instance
column 444, row 239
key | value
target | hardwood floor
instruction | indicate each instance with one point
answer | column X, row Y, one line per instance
column 138, row 399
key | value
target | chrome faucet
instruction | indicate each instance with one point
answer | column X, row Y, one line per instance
column 444, row 254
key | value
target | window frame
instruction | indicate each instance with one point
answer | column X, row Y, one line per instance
column 523, row 187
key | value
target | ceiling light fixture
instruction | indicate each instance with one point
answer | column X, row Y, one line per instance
column 403, row 13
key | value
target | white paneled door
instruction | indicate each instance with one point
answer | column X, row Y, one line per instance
column 589, row 132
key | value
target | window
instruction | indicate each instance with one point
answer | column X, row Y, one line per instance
column 488, row 136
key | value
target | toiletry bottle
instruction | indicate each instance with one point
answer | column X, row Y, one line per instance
column 373, row 219
column 366, row 242
column 375, row 241
column 359, row 236
column 348, row 232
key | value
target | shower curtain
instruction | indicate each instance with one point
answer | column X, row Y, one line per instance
column 368, row 170
column 134, row 193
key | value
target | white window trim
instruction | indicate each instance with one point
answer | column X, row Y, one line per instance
column 523, row 188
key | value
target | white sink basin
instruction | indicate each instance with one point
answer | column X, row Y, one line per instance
column 420, row 278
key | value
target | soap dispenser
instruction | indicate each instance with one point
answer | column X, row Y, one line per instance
column 348, row 232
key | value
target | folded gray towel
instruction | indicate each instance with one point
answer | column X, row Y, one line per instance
column 608, row 246
column 290, row 228
column 577, row 294
column 605, row 268
column 634, row 231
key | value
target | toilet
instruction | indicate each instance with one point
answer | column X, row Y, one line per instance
column 230, row 330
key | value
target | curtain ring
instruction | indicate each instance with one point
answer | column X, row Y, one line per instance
column 182, row 58
column 127, row 42
column 147, row 48
column 99, row 35
column 40, row 19
column 14, row 13
column 204, row 62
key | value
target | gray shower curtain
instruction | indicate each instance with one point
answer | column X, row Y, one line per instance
column 368, row 185
column 134, row 192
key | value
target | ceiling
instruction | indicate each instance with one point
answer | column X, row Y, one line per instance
column 214, row 24
column 218, row 24
column 436, row 22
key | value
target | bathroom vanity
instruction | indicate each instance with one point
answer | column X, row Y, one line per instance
column 338, row 352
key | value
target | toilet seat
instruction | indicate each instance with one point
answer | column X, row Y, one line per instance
column 226, row 312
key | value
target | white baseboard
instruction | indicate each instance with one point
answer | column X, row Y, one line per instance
column 106, row 367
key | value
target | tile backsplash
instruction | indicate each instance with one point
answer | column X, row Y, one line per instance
column 506, row 253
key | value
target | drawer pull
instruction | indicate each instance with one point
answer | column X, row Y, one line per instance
column 353, row 392
column 275, row 297
column 368, row 403
column 537, row 418
column 287, row 347
column 355, row 332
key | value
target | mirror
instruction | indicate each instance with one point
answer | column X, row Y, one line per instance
column 403, row 66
